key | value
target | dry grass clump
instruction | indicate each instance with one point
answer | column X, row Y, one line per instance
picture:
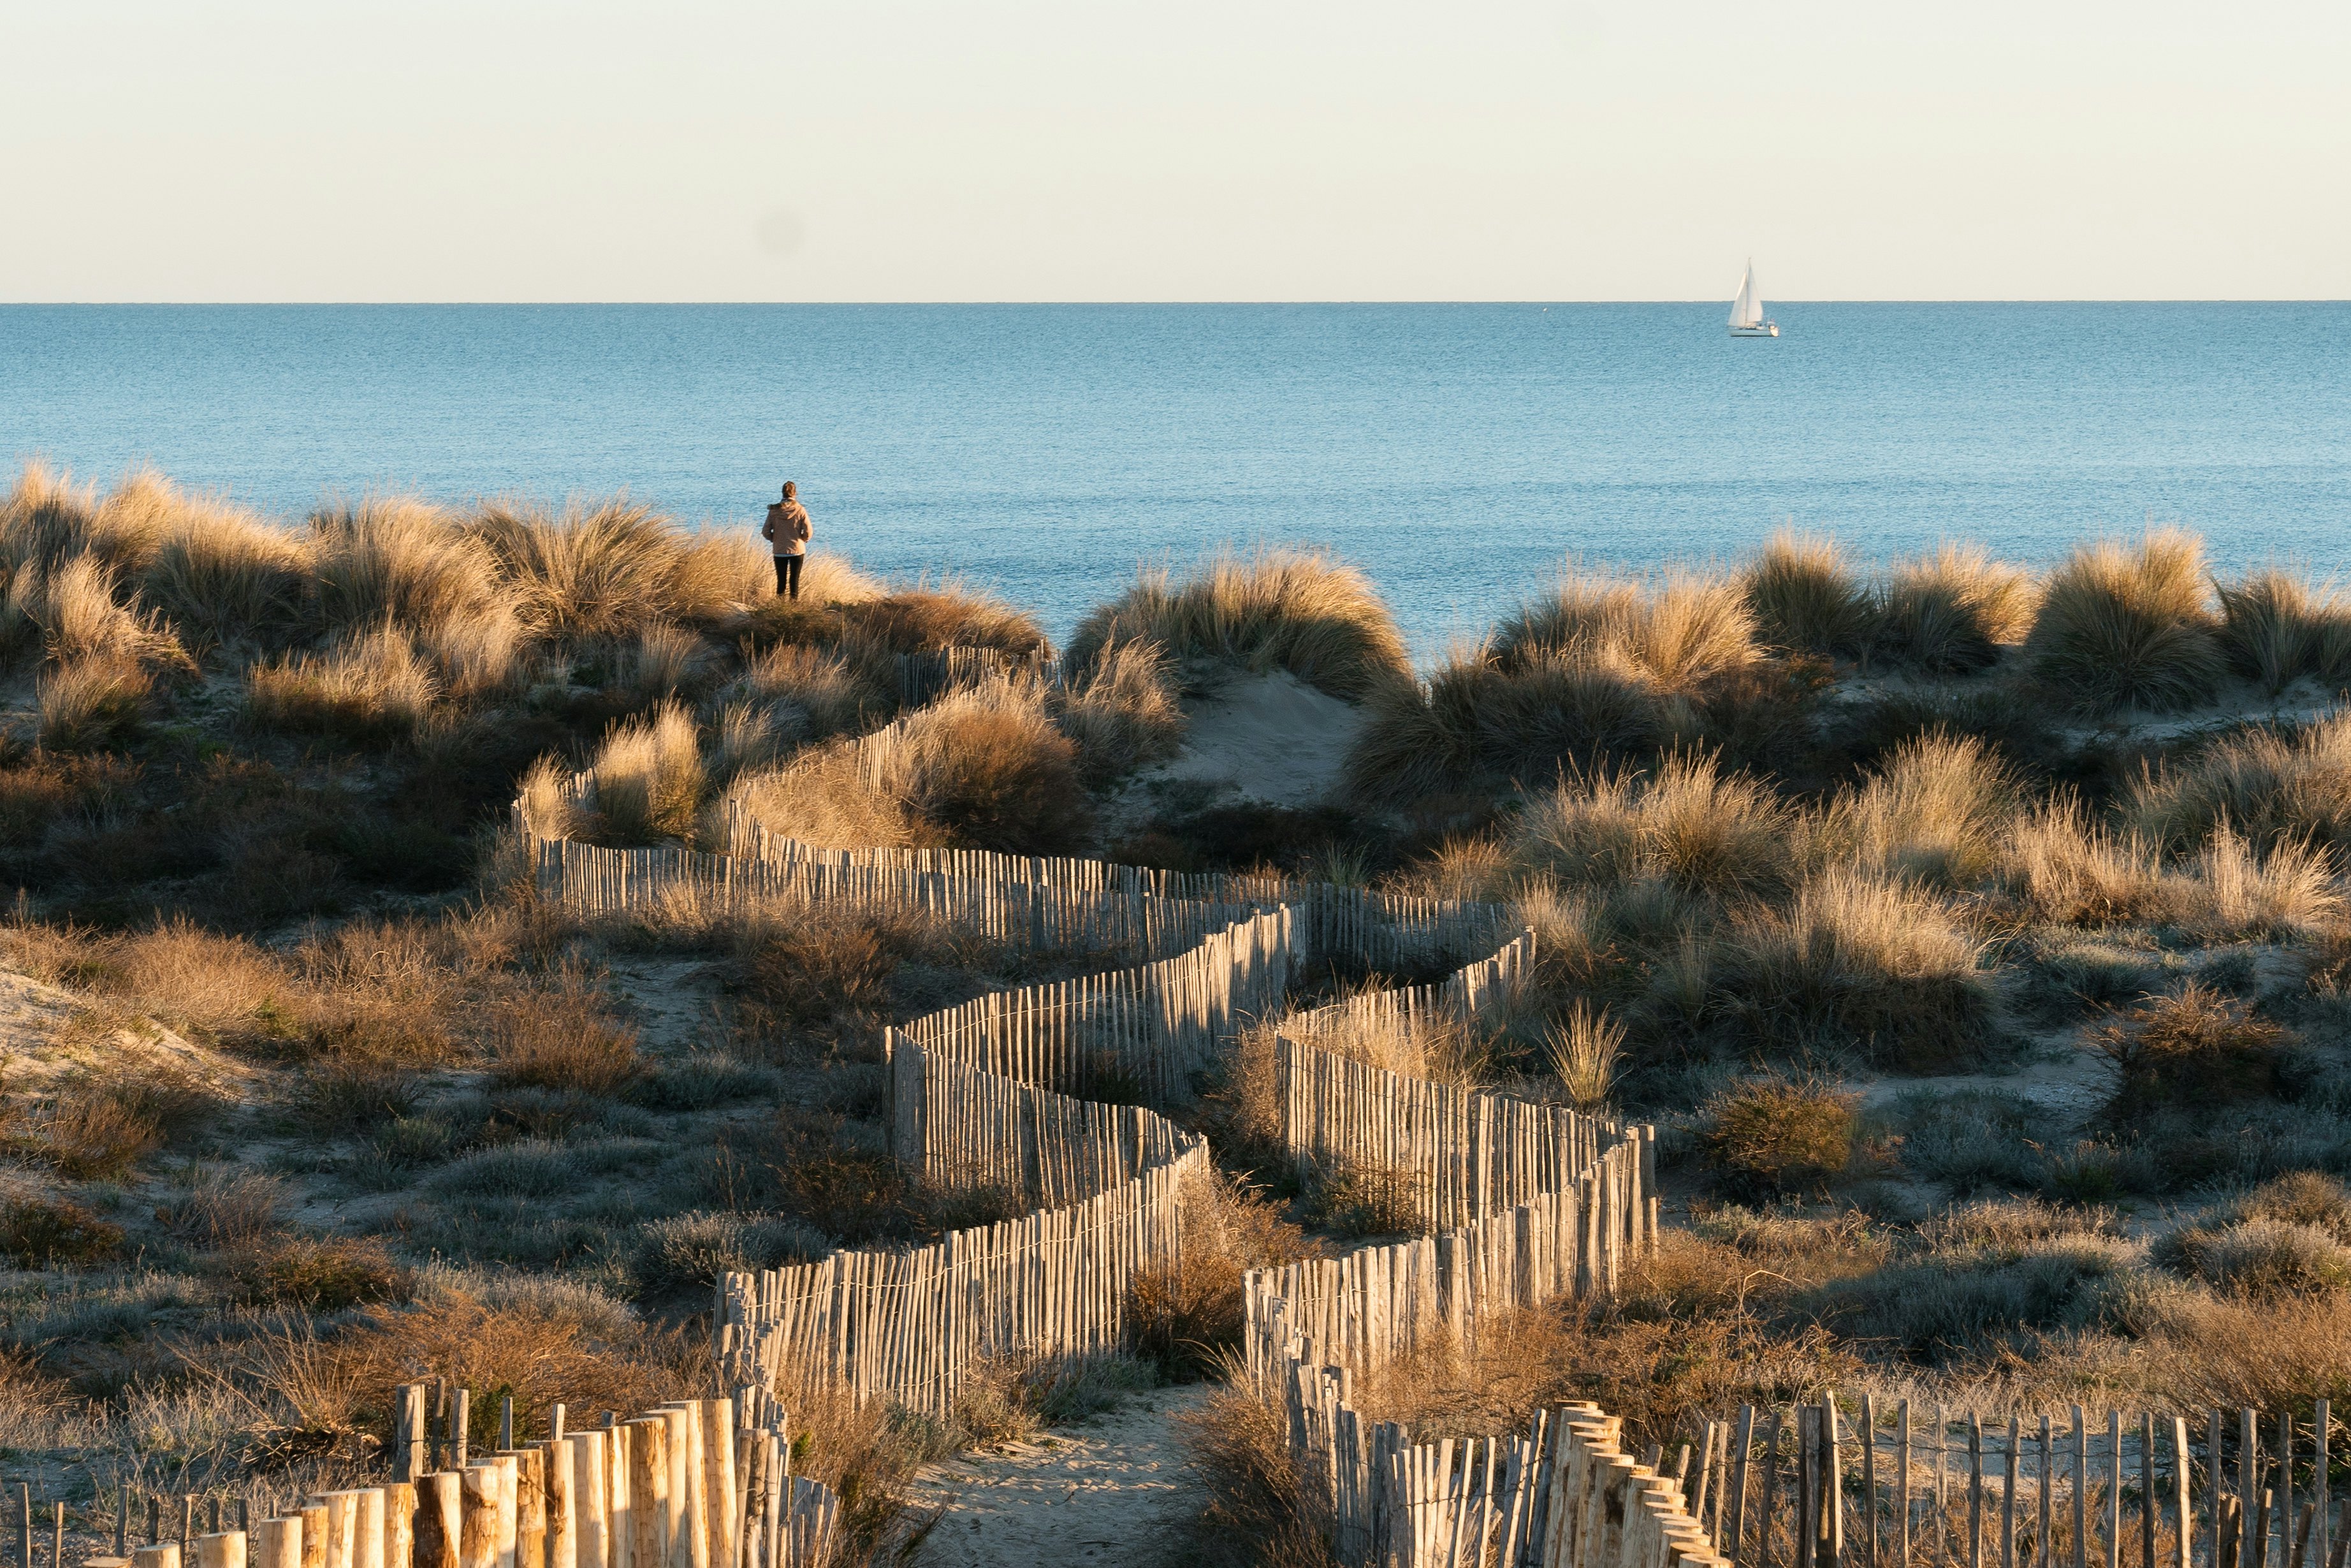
column 1685, row 823
column 226, row 578
column 87, row 1135
column 219, row 1207
column 562, row 1039
column 2130, row 626
column 1767, row 1137
column 1951, row 612
column 1932, row 814
column 2260, row 1258
column 606, row 569
column 2069, row 872
column 951, row 615
column 2274, row 630
column 815, row 694
column 824, row 798
column 1296, row 609
column 90, row 703
column 78, row 611
column 1596, row 668
column 1805, row 600
column 649, row 779
column 2289, row 891
column 665, row 661
column 2190, row 1048
column 373, row 687
column 1861, row 963
column 401, row 561
column 1123, row 712
column 1585, row 1053
column 1188, row 1320
column 1258, row 1513
column 2270, row 787
column 987, row 768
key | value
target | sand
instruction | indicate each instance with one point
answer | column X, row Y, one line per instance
column 1117, row 1489
column 1271, row 738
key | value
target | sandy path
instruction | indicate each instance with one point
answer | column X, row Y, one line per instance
column 1116, row 1490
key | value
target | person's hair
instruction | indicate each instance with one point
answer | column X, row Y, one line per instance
column 790, row 489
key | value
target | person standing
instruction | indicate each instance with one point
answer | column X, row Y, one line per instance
column 787, row 528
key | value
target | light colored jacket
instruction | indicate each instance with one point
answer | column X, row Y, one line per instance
column 788, row 527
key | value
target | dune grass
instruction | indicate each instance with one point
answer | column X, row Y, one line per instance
column 1295, row 609
column 374, row 687
column 1951, row 612
column 649, row 777
column 2276, row 629
column 398, row 559
column 1123, row 713
column 2129, row 625
column 2269, row 786
column 1805, row 598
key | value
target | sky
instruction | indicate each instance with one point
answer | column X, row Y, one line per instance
column 1098, row 149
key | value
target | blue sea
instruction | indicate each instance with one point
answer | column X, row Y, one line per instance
column 1457, row 452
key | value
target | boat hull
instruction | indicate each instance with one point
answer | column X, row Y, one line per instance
column 1769, row 330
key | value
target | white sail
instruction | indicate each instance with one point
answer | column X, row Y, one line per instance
column 1747, row 310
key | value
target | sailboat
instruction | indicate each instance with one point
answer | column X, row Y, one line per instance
column 1747, row 310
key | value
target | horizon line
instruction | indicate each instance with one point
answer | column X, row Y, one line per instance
column 1777, row 302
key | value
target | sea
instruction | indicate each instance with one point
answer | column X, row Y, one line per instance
column 1458, row 453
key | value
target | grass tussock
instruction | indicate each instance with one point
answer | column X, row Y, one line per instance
column 2130, row 626
column 373, row 688
column 1953, row 612
column 92, row 705
column 2270, row 787
column 398, row 561
column 1686, row 823
column 607, row 568
column 2275, row 629
column 1858, row 963
column 1805, row 598
column 562, row 1039
column 949, row 616
column 1933, row 813
column 1299, row 610
column 987, row 768
column 813, row 694
column 649, row 780
column 2194, row 1046
column 1767, row 1137
column 1123, row 713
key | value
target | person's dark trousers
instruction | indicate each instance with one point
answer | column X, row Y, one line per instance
column 787, row 576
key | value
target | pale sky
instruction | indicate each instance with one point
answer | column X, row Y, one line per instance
column 902, row 149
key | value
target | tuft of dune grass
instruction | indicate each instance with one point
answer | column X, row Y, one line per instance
column 1951, row 612
column 1686, row 823
column 2275, row 629
column 1123, row 712
column 90, row 705
column 649, row 779
column 371, row 688
column 1805, row 600
column 398, row 559
column 1862, row 962
column 1289, row 609
column 1932, row 814
column 602, row 570
column 2270, row 787
column 2125, row 625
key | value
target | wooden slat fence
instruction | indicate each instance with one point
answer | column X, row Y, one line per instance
column 1562, row 1493
column 1141, row 1033
column 1871, row 1484
column 912, row 1326
column 925, row 676
column 697, row 1483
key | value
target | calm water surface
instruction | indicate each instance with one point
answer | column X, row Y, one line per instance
column 1456, row 452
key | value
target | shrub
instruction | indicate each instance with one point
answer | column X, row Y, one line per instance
column 2270, row 787
column 1188, row 1320
column 1767, row 1137
column 561, row 1039
column 649, row 779
column 52, row 1233
column 318, row 1274
column 828, row 965
column 2261, row 1256
column 371, row 688
column 2302, row 1198
column 1951, row 612
column 398, row 561
column 689, row 1251
column 988, row 769
column 1976, row 1300
column 1278, row 609
column 91, row 703
column 2193, row 1048
column 1123, row 712
column 353, row 1093
column 2123, row 626
column 1805, row 599
column 1931, row 814
column 1856, row 961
